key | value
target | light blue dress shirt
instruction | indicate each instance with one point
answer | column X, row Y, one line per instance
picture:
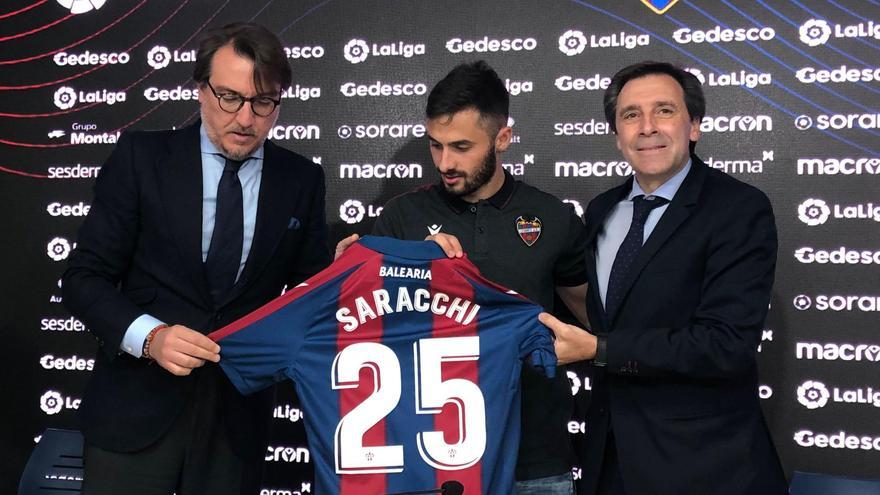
column 617, row 225
column 250, row 175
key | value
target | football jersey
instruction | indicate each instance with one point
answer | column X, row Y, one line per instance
column 407, row 364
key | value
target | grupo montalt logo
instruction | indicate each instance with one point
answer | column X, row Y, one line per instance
column 813, row 212
column 352, row 211
column 814, row 32
column 159, row 57
column 65, row 97
column 58, row 249
column 81, row 6
column 356, row 51
column 51, row 402
column 572, row 42
column 813, row 394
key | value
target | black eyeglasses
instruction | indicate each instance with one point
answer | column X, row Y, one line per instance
column 232, row 102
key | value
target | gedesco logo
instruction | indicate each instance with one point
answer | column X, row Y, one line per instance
column 379, row 88
column 573, row 42
column 741, row 78
column 357, row 50
column 88, row 58
column 72, row 363
column 839, row 121
column 840, row 256
column 297, row 52
column 175, row 94
column 839, row 440
column 591, row 83
column 718, row 34
column 810, row 75
column 66, row 97
column 815, row 32
column 160, row 57
column 491, row 45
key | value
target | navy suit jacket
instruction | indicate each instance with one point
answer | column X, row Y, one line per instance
column 680, row 386
column 139, row 251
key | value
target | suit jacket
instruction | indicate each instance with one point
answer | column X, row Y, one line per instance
column 139, row 251
column 680, row 385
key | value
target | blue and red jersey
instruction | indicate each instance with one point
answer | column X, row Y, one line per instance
column 407, row 364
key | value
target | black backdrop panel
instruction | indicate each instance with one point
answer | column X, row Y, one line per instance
column 793, row 108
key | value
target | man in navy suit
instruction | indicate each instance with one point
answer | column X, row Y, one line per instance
column 680, row 264
column 190, row 230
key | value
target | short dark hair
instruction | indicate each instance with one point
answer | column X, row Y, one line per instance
column 693, row 89
column 248, row 40
column 472, row 85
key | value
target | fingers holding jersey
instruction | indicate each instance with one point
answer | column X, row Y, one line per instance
column 448, row 243
column 344, row 244
column 179, row 349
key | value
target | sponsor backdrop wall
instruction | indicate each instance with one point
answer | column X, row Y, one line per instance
column 793, row 97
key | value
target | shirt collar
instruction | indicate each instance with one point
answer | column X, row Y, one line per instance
column 208, row 147
column 667, row 190
column 498, row 200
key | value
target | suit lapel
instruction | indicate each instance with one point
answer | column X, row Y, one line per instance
column 676, row 213
column 179, row 174
column 277, row 185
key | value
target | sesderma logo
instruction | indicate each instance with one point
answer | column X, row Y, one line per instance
column 813, row 212
column 813, row 394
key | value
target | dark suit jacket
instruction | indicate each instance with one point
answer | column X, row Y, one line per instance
column 680, row 386
column 139, row 251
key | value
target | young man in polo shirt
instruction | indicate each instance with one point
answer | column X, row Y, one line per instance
column 517, row 235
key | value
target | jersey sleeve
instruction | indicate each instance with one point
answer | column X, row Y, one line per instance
column 262, row 347
column 570, row 269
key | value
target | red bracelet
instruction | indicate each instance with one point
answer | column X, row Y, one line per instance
column 149, row 340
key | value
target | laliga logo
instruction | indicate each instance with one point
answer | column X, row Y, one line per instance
column 697, row 73
column 159, row 57
column 356, row 51
column 814, row 32
column 81, row 6
column 65, row 97
column 812, row 394
column 813, row 212
column 572, row 42
column 51, row 402
column 58, row 249
column 802, row 302
column 352, row 211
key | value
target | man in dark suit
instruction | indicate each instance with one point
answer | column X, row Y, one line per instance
column 190, row 230
column 680, row 265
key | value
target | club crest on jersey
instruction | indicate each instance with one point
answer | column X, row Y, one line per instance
column 659, row 6
column 434, row 229
column 529, row 229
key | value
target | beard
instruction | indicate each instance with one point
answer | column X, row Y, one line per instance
column 471, row 183
column 215, row 136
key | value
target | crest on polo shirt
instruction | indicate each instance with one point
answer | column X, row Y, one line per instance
column 529, row 228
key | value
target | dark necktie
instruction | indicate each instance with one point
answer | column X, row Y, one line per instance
column 628, row 251
column 224, row 254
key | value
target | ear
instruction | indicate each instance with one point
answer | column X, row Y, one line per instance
column 695, row 130
column 502, row 140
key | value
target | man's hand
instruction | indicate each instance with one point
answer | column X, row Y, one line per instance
column 179, row 349
column 448, row 243
column 572, row 343
column 344, row 244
